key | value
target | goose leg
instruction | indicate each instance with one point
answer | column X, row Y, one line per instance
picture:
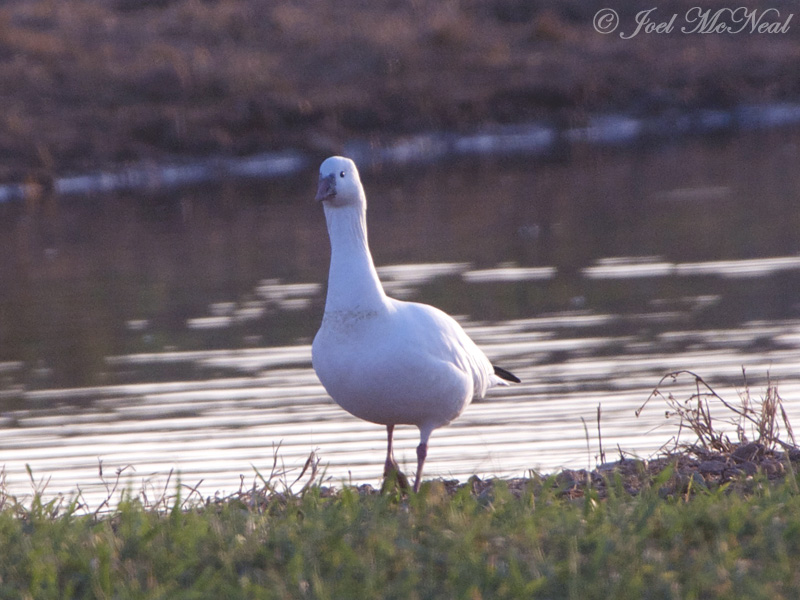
column 422, row 453
column 391, row 465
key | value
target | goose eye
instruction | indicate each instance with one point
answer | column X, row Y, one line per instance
column 341, row 174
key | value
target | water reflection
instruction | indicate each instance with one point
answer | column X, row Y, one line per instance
column 632, row 267
column 174, row 332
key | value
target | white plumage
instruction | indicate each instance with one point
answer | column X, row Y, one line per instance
column 385, row 360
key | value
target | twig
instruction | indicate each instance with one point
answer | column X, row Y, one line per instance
column 110, row 489
column 588, row 446
column 600, row 438
column 192, row 491
column 696, row 414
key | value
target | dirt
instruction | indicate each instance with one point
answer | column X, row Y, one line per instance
column 86, row 85
column 678, row 474
column 684, row 473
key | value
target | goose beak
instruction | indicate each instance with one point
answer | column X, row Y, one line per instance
column 327, row 187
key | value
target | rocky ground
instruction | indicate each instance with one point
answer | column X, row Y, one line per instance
column 712, row 458
column 679, row 474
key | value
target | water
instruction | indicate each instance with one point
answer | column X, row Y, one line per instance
column 160, row 333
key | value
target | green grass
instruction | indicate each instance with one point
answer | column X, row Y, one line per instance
column 498, row 544
column 645, row 529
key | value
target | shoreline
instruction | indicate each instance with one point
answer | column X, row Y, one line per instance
column 680, row 473
column 534, row 140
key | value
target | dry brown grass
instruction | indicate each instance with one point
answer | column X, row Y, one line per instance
column 754, row 420
column 712, row 460
column 88, row 84
column 157, row 494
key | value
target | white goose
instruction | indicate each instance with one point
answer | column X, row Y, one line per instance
column 385, row 360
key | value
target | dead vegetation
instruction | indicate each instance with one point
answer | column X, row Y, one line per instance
column 281, row 483
column 713, row 459
column 719, row 446
column 91, row 85
column 754, row 420
column 719, row 443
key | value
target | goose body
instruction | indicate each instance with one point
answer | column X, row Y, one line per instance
column 385, row 360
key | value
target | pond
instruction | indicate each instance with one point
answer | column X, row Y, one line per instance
column 160, row 333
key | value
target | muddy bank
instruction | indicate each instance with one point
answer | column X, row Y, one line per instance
column 88, row 86
column 680, row 475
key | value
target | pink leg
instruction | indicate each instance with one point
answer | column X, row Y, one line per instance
column 422, row 452
column 391, row 465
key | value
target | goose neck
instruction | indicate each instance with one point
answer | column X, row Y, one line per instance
column 353, row 283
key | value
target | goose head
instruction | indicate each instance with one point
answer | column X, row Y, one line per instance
column 339, row 183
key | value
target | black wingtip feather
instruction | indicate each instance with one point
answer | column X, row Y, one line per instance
column 503, row 374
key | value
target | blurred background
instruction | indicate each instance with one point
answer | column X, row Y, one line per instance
column 597, row 211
